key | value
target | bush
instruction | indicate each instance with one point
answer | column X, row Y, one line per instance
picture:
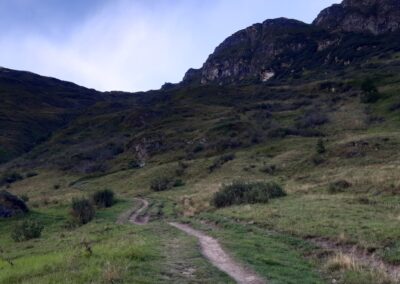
column 31, row 174
column 338, row 186
column 370, row 93
column 220, row 161
column 312, row 119
column 11, row 178
column 269, row 169
column 24, row 197
column 180, row 171
column 240, row 192
column 134, row 164
column 178, row 183
column 320, row 147
column 103, row 198
column 27, row 230
column 82, row 211
column 160, row 184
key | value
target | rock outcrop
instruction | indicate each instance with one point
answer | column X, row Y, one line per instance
column 11, row 205
column 283, row 47
column 256, row 53
column 361, row 16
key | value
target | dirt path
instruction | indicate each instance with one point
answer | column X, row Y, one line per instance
column 212, row 250
column 137, row 217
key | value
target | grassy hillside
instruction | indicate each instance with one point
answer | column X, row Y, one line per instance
column 33, row 107
column 328, row 136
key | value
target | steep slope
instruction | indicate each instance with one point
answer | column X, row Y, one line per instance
column 32, row 107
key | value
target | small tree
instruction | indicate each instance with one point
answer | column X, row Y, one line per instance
column 103, row 198
column 320, row 147
column 82, row 210
column 370, row 93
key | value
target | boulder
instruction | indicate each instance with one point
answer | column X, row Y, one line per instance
column 11, row 205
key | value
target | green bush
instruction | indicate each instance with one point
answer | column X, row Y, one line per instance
column 27, row 230
column 104, row 198
column 338, row 186
column 220, row 161
column 240, row 192
column 160, row 184
column 178, row 183
column 82, row 211
column 370, row 93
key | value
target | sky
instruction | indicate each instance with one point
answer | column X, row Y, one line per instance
column 128, row 45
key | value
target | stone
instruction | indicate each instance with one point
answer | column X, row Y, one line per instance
column 11, row 205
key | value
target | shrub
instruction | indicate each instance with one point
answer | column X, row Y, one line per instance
column 135, row 164
column 320, row 147
column 180, row 171
column 220, row 161
column 11, row 178
column 31, row 174
column 240, row 192
column 338, row 186
column 370, row 93
column 103, row 198
column 160, row 184
column 82, row 211
column 24, row 197
column 312, row 119
column 178, row 183
column 27, row 230
column 269, row 169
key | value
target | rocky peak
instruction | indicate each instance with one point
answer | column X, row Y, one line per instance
column 251, row 54
column 362, row 16
column 281, row 48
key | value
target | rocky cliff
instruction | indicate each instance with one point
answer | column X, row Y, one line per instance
column 361, row 16
column 282, row 47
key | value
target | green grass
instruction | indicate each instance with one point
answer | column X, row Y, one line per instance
column 278, row 258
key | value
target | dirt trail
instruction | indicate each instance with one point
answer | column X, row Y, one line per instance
column 137, row 217
column 212, row 250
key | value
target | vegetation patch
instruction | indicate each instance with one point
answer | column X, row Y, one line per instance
column 338, row 186
column 220, row 161
column 240, row 192
column 104, row 198
column 27, row 230
column 161, row 184
column 82, row 211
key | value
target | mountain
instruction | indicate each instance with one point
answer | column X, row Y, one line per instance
column 310, row 111
column 344, row 34
column 361, row 16
column 34, row 106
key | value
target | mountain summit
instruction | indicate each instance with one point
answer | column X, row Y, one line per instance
column 365, row 16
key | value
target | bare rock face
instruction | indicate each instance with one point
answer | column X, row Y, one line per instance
column 283, row 48
column 255, row 53
column 361, row 16
column 11, row 205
